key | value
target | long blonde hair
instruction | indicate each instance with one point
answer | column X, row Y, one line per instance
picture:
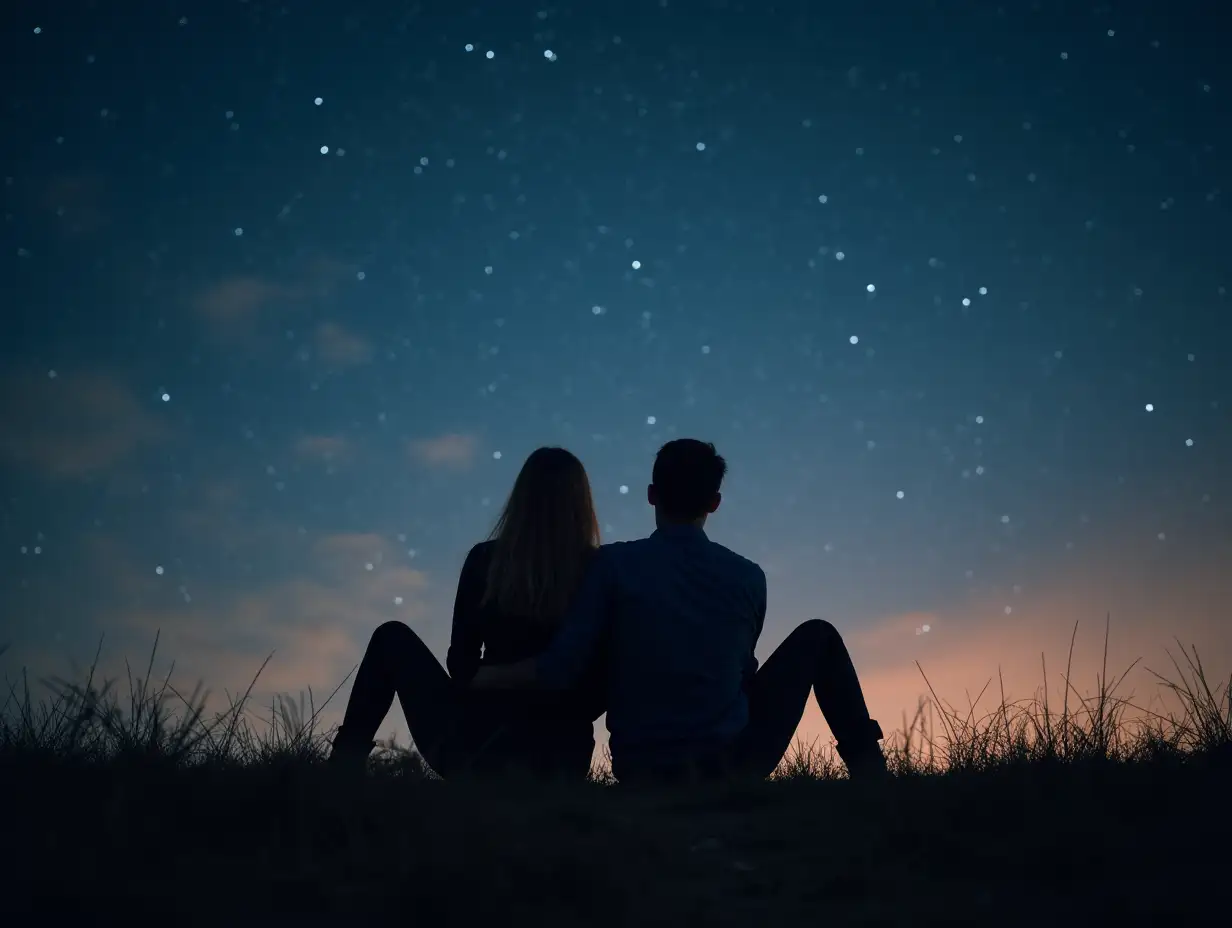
column 544, row 537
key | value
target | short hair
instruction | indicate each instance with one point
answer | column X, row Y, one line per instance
column 687, row 475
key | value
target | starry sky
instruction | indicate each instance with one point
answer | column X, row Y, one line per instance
column 291, row 290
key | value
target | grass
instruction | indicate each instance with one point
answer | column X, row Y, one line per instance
column 1097, row 810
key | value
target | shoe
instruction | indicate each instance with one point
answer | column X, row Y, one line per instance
column 867, row 767
column 864, row 760
column 349, row 754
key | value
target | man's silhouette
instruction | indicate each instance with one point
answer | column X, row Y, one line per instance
column 680, row 617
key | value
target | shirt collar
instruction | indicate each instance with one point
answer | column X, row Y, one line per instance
column 684, row 532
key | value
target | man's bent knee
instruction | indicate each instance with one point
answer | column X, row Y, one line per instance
column 817, row 630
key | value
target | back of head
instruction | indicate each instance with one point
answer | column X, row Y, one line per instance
column 686, row 480
column 544, row 537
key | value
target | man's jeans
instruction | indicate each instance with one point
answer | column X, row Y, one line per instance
column 813, row 658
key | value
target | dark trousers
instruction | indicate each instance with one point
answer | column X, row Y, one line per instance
column 456, row 730
column 813, row 658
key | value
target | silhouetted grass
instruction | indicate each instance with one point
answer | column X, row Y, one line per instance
column 1096, row 811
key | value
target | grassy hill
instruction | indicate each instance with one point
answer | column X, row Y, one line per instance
column 1092, row 812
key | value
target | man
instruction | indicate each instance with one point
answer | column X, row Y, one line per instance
column 680, row 617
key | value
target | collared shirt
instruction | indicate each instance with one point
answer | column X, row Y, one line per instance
column 677, row 616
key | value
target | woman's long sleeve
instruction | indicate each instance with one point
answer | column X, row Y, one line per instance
column 466, row 639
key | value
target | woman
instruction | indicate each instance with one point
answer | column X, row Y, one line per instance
column 512, row 593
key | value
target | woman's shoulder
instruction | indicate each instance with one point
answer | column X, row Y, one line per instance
column 477, row 560
column 481, row 550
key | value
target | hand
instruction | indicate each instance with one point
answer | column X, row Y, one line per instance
column 482, row 679
column 505, row 676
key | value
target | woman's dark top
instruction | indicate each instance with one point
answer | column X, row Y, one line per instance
column 538, row 722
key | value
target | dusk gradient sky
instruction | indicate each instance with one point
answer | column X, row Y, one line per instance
column 291, row 290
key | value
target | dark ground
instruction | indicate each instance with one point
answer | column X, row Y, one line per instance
column 1032, row 814
column 1121, row 846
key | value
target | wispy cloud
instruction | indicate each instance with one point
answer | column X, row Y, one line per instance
column 453, row 450
column 236, row 306
column 315, row 620
column 340, row 347
column 73, row 424
column 346, row 554
column 327, row 448
column 235, row 301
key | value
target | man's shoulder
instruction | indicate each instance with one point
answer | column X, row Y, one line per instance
column 746, row 566
column 637, row 547
column 615, row 553
column 616, row 549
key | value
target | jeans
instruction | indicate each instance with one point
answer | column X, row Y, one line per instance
column 458, row 730
column 813, row 658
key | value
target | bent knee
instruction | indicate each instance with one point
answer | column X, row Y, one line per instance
column 817, row 630
column 391, row 629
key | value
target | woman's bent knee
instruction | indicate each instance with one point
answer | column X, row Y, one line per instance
column 391, row 630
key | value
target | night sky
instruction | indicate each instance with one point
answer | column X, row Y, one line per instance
column 289, row 293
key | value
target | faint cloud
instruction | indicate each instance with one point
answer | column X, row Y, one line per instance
column 236, row 301
column 324, row 271
column 451, row 450
column 346, row 554
column 340, row 347
column 75, row 424
column 328, row 448
column 314, row 616
column 315, row 629
column 893, row 632
column 235, row 305
column 217, row 492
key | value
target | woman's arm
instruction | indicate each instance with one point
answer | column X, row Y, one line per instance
column 466, row 639
column 506, row 676
column 591, row 692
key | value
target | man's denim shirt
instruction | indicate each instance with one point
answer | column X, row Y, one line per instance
column 678, row 617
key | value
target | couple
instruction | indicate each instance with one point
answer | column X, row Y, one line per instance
column 550, row 630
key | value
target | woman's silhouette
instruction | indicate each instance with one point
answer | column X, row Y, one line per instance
column 513, row 590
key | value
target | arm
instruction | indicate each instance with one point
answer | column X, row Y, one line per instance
column 506, row 676
column 466, row 640
column 760, row 599
column 562, row 663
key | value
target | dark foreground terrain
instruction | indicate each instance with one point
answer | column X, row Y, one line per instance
column 1028, row 815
